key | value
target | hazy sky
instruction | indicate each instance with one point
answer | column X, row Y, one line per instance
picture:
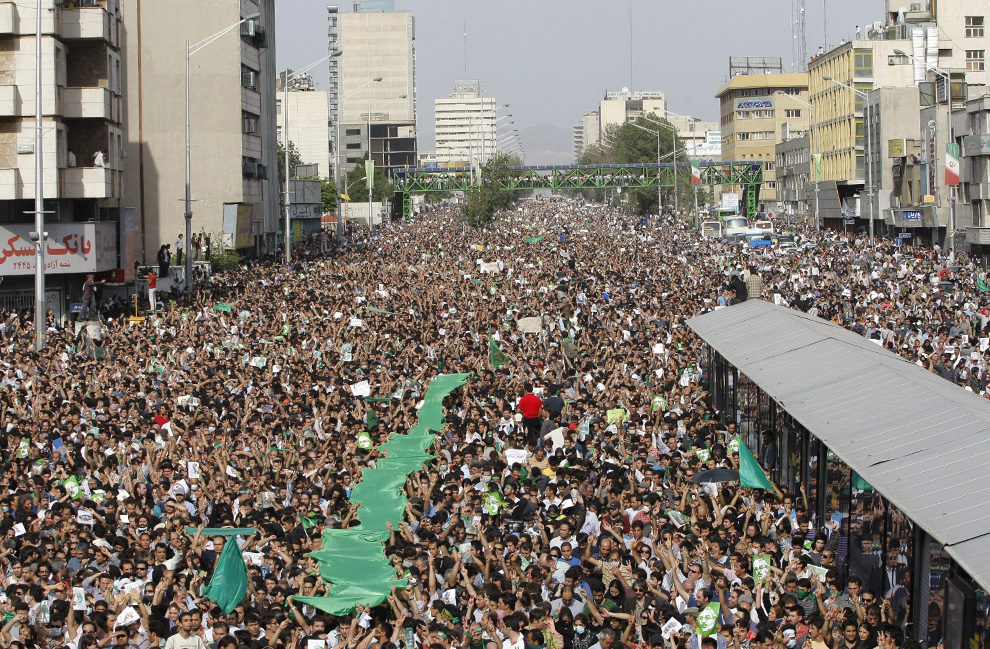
column 553, row 60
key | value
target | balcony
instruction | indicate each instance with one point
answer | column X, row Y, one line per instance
column 10, row 184
column 87, row 103
column 85, row 23
column 8, row 18
column 10, row 101
column 87, row 182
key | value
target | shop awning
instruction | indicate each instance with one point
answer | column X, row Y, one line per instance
column 921, row 441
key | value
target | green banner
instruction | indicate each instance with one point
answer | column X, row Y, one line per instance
column 353, row 560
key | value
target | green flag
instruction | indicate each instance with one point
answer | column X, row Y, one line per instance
column 708, row 620
column 750, row 473
column 496, row 355
column 229, row 582
column 532, row 240
column 761, row 566
column 371, row 419
column 369, row 172
column 817, row 157
column 72, row 487
column 981, row 285
column 307, row 522
column 492, row 502
column 221, row 307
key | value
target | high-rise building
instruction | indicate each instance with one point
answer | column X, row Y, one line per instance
column 376, row 41
column 755, row 116
column 81, row 145
column 465, row 124
column 234, row 157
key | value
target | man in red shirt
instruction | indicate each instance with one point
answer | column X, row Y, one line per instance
column 529, row 406
column 152, row 285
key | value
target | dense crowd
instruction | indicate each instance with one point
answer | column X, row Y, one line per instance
column 560, row 512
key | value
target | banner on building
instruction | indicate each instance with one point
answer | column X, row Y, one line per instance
column 70, row 248
column 817, row 158
column 952, row 165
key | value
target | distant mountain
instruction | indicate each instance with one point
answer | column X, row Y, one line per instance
column 547, row 144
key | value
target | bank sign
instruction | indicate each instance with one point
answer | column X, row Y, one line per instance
column 70, row 248
column 754, row 104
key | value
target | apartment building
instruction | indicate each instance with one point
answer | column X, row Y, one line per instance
column 840, row 117
column 465, row 124
column 755, row 116
column 81, row 145
column 234, row 154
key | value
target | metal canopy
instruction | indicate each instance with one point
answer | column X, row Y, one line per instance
column 921, row 441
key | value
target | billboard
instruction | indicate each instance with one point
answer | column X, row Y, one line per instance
column 70, row 248
column 754, row 104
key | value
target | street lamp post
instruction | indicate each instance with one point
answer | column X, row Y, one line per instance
column 951, row 243
column 371, row 181
column 814, row 148
column 285, row 133
column 340, row 109
column 190, row 50
column 869, row 145
column 673, row 136
column 659, row 189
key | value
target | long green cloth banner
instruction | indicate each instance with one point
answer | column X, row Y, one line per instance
column 353, row 561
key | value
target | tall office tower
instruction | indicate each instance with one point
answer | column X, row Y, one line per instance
column 376, row 41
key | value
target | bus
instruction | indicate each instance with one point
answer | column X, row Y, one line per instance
column 711, row 229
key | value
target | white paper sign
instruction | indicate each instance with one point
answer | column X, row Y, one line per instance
column 362, row 389
column 515, row 455
column 19, row 529
column 78, row 599
column 84, row 517
column 193, row 469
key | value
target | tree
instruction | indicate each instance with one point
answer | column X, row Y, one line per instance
column 482, row 203
column 328, row 191
column 357, row 188
column 294, row 161
column 627, row 144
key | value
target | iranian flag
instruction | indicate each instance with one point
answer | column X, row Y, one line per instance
column 952, row 165
column 696, row 172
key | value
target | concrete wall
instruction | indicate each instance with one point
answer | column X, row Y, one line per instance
column 377, row 45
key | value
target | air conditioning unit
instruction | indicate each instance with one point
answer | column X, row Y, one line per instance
column 249, row 79
column 249, row 28
column 250, row 125
column 917, row 6
column 261, row 172
column 250, row 169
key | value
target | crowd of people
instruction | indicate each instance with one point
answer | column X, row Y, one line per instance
column 560, row 511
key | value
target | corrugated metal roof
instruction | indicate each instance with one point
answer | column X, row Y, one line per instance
column 923, row 442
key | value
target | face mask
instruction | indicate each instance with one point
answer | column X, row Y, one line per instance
column 488, row 478
column 791, row 643
column 614, row 564
column 579, row 629
column 802, row 593
column 55, row 633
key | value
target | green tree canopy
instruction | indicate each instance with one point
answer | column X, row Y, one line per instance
column 482, row 203
column 627, row 144
column 357, row 188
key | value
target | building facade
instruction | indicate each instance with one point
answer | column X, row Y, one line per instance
column 81, row 145
column 621, row 106
column 377, row 42
column 309, row 125
column 840, row 125
column 795, row 185
column 465, row 124
column 755, row 116
column 234, row 157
